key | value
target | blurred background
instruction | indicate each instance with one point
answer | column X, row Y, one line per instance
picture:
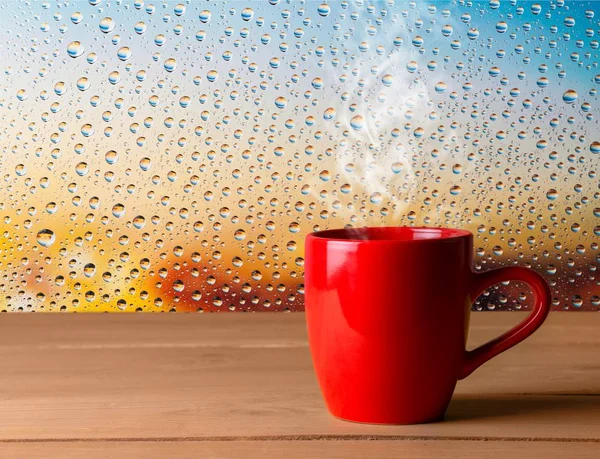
column 172, row 155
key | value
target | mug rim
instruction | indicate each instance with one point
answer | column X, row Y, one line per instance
column 434, row 234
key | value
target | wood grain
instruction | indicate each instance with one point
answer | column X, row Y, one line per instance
column 351, row 449
column 241, row 377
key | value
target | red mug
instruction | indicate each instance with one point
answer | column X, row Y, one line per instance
column 388, row 316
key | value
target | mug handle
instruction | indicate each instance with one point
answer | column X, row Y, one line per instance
column 541, row 306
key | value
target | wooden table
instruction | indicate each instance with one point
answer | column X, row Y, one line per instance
column 241, row 386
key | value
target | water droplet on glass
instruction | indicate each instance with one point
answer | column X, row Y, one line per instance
column 329, row 114
column 111, row 157
column 357, row 122
column 170, row 64
column 387, row 80
column 60, row 88
column 75, row 49
column 247, row 14
column 118, row 210
column 570, row 96
column 124, row 53
column 45, row 237
column 107, row 25
column 145, row 164
column 83, row 84
column 440, row 87
column 82, row 169
column 76, row 17
column 324, row 9
column 89, row 270
column 212, row 76
column 280, row 102
column 205, row 16
column 140, row 27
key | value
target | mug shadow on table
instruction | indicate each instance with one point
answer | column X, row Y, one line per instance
column 471, row 407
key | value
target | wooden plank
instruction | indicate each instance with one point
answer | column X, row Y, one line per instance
column 345, row 449
column 178, row 376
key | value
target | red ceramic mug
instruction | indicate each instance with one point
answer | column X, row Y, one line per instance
column 388, row 315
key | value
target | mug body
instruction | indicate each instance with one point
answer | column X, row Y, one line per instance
column 387, row 312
